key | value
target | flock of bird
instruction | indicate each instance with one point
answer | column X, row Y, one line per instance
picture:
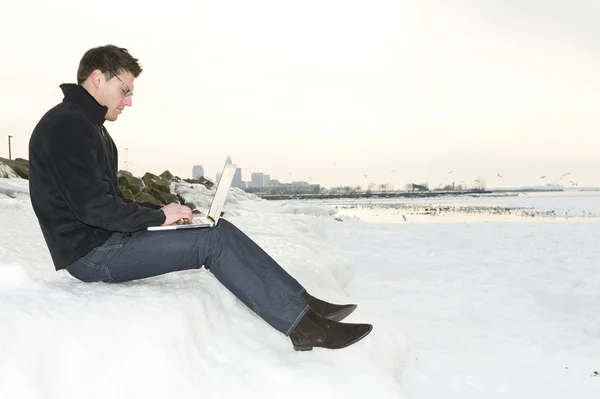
column 573, row 183
column 366, row 175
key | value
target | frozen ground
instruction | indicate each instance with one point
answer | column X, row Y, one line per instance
column 467, row 308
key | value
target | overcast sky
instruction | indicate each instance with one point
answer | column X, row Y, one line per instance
column 398, row 90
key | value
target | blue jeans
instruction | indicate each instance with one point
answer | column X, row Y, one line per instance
column 232, row 257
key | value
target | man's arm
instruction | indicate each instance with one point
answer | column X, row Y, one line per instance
column 70, row 155
column 144, row 204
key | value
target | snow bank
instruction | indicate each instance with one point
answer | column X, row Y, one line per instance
column 181, row 335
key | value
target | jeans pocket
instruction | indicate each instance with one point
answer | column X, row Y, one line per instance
column 88, row 272
column 94, row 266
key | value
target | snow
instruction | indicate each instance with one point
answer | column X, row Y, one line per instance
column 463, row 305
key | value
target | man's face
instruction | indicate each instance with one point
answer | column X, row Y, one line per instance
column 116, row 94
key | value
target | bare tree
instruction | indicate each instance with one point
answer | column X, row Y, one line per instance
column 480, row 184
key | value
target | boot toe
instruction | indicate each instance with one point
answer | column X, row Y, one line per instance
column 358, row 332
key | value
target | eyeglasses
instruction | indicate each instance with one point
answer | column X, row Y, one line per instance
column 127, row 92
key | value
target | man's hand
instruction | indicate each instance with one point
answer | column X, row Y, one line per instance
column 175, row 212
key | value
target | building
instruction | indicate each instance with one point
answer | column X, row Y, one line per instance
column 237, row 176
column 237, row 179
column 257, row 179
column 197, row 172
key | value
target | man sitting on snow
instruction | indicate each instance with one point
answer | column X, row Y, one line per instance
column 97, row 234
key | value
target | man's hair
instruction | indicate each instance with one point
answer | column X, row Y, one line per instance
column 111, row 60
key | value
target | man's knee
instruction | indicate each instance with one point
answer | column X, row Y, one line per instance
column 225, row 225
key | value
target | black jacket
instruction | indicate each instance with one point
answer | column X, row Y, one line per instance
column 73, row 180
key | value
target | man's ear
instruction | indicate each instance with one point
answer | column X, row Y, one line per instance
column 97, row 78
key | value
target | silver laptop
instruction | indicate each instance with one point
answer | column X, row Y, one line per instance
column 216, row 206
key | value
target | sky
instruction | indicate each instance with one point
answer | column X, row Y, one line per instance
column 332, row 92
column 460, row 310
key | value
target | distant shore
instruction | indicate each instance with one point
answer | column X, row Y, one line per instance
column 395, row 194
column 399, row 194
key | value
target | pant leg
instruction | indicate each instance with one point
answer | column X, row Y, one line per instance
column 233, row 258
column 255, row 278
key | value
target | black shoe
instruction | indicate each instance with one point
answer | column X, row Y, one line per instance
column 328, row 310
column 316, row 331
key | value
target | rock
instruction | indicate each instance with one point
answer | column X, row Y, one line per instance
column 150, row 188
column 145, row 197
column 155, row 183
column 19, row 165
column 166, row 198
column 129, row 182
column 168, row 176
column 6, row 172
column 207, row 183
column 128, row 194
column 159, row 188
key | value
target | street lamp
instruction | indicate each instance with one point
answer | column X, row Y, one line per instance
column 9, row 152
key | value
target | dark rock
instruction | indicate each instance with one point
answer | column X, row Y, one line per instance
column 155, row 183
column 159, row 188
column 166, row 198
column 129, row 182
column 207, row 183
column 168, row 176
column 145, row 197
column 19, row 165
column 128, row 194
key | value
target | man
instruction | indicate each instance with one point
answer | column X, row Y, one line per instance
column 97, row 234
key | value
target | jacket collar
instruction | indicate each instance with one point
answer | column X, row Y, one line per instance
column 78, row 95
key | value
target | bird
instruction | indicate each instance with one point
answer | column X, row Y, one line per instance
column 404, row 217
column 365, row 175
column 566, row 174
column 573, row 183
column 499, row 175
column 542, row 177
column 392, row 171
column 451, row 171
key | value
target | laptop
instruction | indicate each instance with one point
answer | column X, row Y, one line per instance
column 216, row 206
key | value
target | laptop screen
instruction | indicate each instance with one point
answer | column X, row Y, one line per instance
column 221, row 194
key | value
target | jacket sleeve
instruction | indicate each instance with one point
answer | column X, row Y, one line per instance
column 144, row 204
column 71, row 158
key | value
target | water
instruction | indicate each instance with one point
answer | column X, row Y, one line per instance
column 532, row 207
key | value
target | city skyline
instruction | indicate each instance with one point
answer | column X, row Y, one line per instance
column 334, row 92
